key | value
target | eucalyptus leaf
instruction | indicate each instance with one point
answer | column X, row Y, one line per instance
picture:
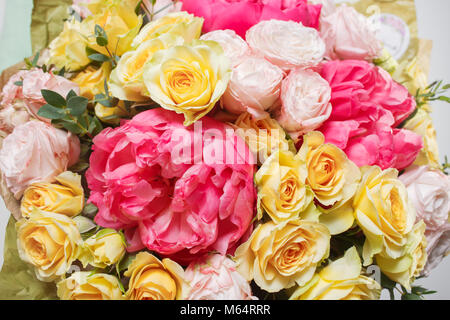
column 77, row 105
column 99, row 57
column 51, row 112
column 53, row 98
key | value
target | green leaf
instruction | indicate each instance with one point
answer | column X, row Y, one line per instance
column 79, row 167
column 50, row 112
column 18, row 279
column 387, row 283
column 35, row 60
column 101, row 41
column 126, row 261
column 95, row 126
column 19, row 83
column 71, row 126
column 444, row 98
column 90, row 210
column 99, row 57
column 71, row 94
column 77, row 105
column 411, row 296
column 53, row 98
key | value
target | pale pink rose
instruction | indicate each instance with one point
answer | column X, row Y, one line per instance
column 233, row 45
column 214, row 277
column 33, row 81
column 162, row 7
column 36, row 152
column 11, row 116
column 438, row 248
column 429, row 191
column 287, row 44
column 254, row 87
column 79, row 6
column 349, row 35
column 305, row 99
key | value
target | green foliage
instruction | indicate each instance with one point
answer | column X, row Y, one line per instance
column 433, row 92
column 70, row 113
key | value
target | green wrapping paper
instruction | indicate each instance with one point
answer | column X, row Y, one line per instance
column 17, row 278
column 47, row 21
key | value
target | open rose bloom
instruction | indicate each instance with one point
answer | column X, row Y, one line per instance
column 220, row 150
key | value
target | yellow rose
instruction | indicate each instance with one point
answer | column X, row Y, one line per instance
column 333, row 178
column 422, row 124
column 278, row 256
column 282, row 189
column 409, row 266
column 181, row 24
column 103, row 249
column 340, row 280
column 152, row 279
column 263, row 136
column 66, row 197
column 50, row 242
column 120, row 23
column 383, row 212
column 188, row 79
column 96, row 6
column 92, row 81
column 127, row 82
column 68, row 50
column 112, row 115
column 88, row 286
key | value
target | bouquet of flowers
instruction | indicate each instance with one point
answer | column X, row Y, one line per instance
column 219, row 149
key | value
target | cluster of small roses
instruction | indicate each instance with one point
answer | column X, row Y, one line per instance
column 224, row 161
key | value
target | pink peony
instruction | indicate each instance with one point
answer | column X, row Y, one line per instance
column 171, row 193
column 240, row 15
column 429, row 191
column 29, row 93
column 36, row 152
column 367, row 107
column 349, row 35
column 214, row 277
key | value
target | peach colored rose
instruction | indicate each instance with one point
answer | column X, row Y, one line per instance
column 254, row 87
column 36, row 152
column 233, row 45
column 349, row 35
column 286, row 44
column 305, row 98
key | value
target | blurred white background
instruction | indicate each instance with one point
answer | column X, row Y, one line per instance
column 434, row 24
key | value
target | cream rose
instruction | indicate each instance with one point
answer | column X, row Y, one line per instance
column 64, row 197
column 214, row 277
column 305, row 99
column 422, row 124
column 342, row 279
column 126, row 81
column 282, row 190
column 349, row 35
column 50, row 242
column 384, row 213
column 278, row 256
column 235, row 48
column 410, row 265
column 334, row 180
column 180, row 24
column 152, row 279
column 188, row 79
column 287, row 44
column 105, row 248
column 36, row 152
column 254, row 87
column 88, row 286
column 263, row 136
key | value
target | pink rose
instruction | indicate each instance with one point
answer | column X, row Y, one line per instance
column 305, row 98
column 151, row 177
column 254, row 87
column 287, row 44
column 36, row 152
column 214, row 277
column 367, row 107
column 349, row 35
column 33, row 81
column 240, row 15
column 11, row 116
column 429, row 191
column 233, row 45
